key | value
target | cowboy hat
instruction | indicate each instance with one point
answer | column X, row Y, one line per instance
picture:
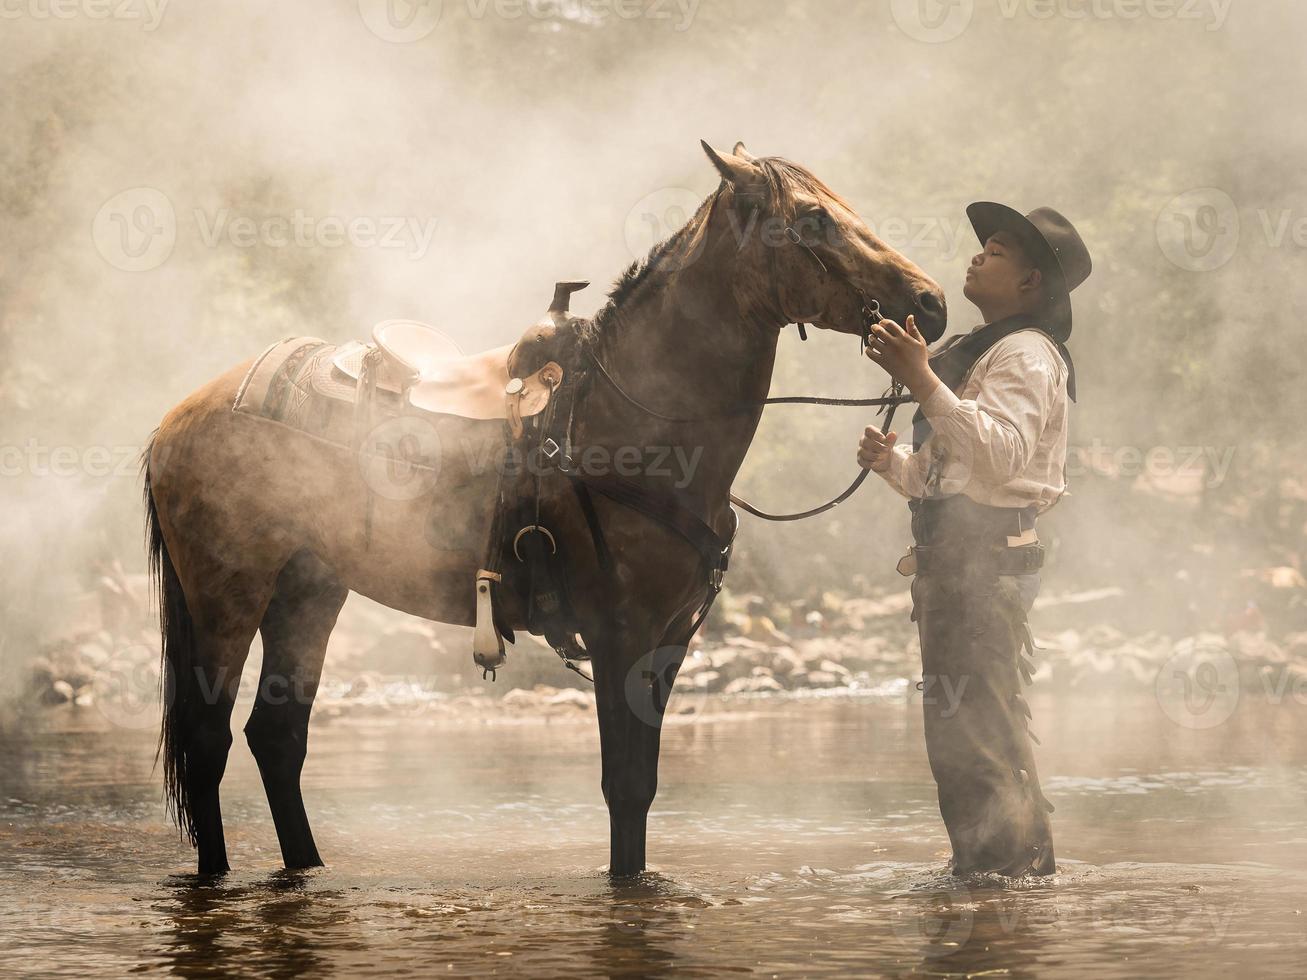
column 1051, row 242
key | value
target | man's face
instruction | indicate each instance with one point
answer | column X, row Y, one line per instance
column 998, row 274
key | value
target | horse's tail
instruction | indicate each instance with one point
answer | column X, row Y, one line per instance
column 179, row 686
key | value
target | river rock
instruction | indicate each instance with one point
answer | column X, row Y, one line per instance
column 708, row 681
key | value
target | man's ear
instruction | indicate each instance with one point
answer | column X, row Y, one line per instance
column 1033, row 282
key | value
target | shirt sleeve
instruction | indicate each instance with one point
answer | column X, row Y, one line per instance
column 991, row 438
column 906, row 472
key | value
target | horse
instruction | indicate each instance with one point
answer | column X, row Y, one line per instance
column 257, row 527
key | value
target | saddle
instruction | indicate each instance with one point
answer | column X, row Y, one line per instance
column 430, row 374
column 424, row 372
column 338, row 394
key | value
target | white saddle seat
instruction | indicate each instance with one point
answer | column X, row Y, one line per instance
column 415, row 349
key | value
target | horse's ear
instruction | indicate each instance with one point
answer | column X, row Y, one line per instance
column 743, row 153
column 733, row 169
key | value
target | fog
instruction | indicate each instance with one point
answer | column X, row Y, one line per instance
column 454, row 177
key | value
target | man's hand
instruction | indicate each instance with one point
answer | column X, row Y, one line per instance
column 903, row 353
column 874, row 449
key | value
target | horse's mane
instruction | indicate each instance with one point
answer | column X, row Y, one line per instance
column 781, row 178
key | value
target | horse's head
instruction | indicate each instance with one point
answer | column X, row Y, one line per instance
column 771, row 201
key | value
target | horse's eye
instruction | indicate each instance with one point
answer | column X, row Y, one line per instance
column 813, row 223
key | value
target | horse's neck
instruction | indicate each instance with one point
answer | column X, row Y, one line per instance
column 687, row 351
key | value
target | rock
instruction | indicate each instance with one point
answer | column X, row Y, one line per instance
column 785, row 662
column 831, row 667
column 60, row 692
column 707, row 681
column 822, row 678
column 571, row 698
column 520, row 698
column 1283, row 577
column 753, row 685
column 763, row 629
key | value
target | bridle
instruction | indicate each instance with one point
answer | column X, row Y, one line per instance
column 869, row 316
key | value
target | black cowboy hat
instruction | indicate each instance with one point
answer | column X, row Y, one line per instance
column 1051, row 242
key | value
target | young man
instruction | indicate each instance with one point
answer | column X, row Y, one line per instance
column 988, row 456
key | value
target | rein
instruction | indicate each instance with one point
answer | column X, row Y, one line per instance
column 888, row 403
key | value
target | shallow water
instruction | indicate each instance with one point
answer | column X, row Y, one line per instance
column 789, row 837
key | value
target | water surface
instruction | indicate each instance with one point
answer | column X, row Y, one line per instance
column 789, row 837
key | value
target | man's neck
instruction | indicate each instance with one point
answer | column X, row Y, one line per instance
column 995, row 314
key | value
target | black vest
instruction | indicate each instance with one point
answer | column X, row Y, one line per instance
column 952, row 361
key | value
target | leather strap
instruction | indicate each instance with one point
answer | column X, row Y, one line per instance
column 662, row 508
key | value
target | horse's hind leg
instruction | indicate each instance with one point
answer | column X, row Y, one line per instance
column 205, row 692
column 295, row 630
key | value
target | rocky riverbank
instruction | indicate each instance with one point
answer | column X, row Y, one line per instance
column 381, row 661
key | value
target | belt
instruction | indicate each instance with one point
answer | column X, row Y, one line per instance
column 1001, row 561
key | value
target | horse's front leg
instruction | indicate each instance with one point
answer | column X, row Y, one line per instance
column 633, row 678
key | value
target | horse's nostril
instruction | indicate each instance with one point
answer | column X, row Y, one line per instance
column 930, row 303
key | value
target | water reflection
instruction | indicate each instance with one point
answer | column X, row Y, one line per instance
column 789, row 838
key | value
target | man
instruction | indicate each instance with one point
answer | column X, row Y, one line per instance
column 988, row 456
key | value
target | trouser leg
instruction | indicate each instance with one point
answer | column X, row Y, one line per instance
column 975, row 719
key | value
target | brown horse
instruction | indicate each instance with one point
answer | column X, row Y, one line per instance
column 256, row 526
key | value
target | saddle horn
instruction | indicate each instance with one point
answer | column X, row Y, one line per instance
column 549, row 339
column 563, row 291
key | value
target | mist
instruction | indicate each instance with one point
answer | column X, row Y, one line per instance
column 182, row 185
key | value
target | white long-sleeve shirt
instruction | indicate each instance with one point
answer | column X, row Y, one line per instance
column 1003, row 437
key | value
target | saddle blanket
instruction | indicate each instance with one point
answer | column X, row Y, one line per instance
column 293, row 382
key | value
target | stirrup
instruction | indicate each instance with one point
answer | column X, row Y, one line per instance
column 487, row 644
